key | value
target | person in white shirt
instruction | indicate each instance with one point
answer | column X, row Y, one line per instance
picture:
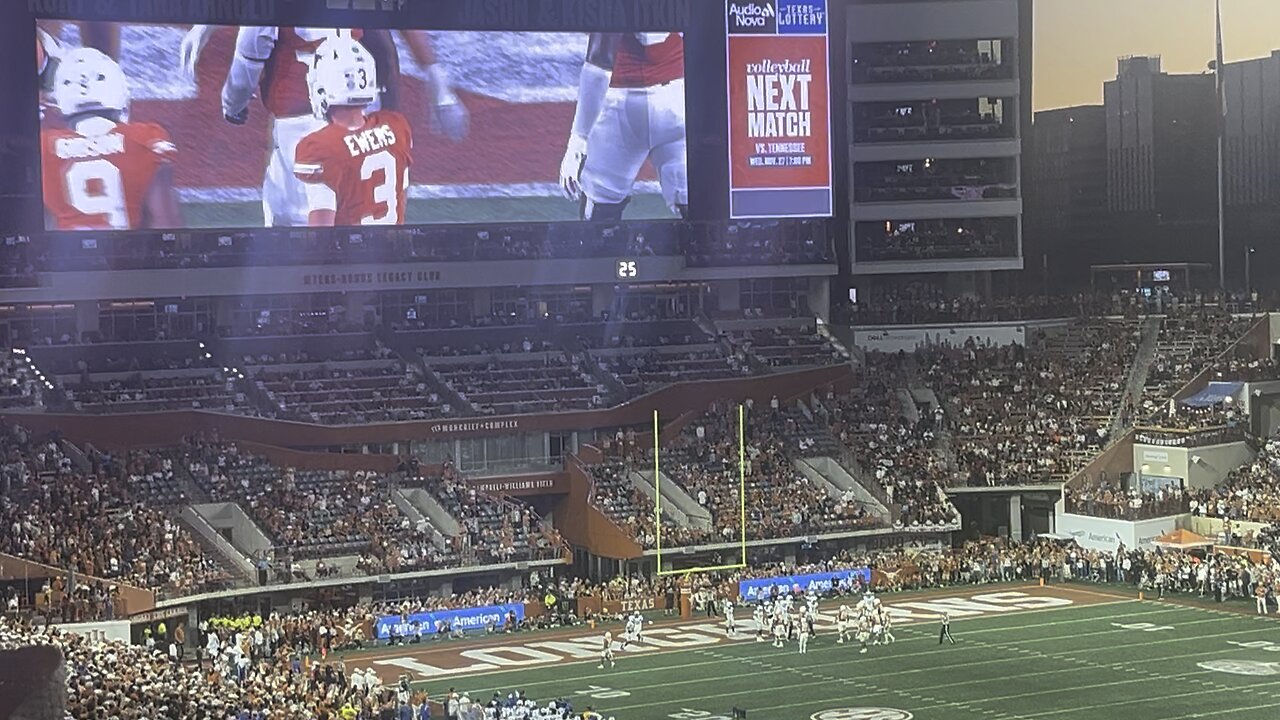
column 729, row 627
column 804, row 638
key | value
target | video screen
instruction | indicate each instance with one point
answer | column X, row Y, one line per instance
column 179, row 126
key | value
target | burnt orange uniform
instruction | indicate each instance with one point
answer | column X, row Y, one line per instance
column 367, row 168
column 100, row 181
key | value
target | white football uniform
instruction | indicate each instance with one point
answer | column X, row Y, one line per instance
column 641, row 120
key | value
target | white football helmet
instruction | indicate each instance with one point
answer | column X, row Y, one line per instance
column 342, row 73
column 88, row 80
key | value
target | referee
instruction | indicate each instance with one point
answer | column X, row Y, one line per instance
column 944, row 632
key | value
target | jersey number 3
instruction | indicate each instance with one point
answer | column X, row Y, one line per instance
column 94, row 187
column 387, row 191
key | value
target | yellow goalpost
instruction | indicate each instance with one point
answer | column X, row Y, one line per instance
column 742, row 499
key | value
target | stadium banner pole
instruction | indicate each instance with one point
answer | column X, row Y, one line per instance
column 657, row 491
column 742, row 477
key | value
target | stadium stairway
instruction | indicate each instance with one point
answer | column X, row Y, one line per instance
column 827, row 472
column 676, row 503
column 429, row 507
column 182, row 473
column 603, row 377
column 1137, row 378
column 438, row 385
column 217, row 546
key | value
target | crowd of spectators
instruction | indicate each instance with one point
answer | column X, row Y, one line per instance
column 210, row 390
column 20, row 383
column 895, row 451
column 781, row 501
column 929, row 60
column 315, row 514
column 119, row 523
column 1107, row 499
column 1019, row 416
column 1191, row 338
column 1250, row 492
column 645, row 371
column 919, row 303
column 493, row 529
column 351, row 393
column 754, row 243
column 934, row 240
column 292, row 665
column 788, row 346
column 539, row 382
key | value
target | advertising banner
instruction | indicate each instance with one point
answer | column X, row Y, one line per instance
column 761, row 588
column 779, row 124
column 466, row 620
column 1106, row 534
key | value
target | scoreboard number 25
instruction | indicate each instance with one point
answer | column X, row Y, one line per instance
column 627, row 270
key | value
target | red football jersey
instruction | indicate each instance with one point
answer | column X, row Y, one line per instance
column 284, row 77
column 641, row 62
column 367, row 168
column 100, row 182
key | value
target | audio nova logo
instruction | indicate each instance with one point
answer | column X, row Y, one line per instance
column 752, row 16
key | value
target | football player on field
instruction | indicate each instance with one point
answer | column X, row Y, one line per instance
column 630, row 108
column 355, row 168
column 276, row 59
column 102, row 172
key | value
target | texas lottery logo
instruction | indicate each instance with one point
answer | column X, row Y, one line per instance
column 802, row 16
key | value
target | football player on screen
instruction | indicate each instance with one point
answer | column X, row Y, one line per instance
column 102, row 172
column 630, row 108
column 275, row 61
column 355, row 168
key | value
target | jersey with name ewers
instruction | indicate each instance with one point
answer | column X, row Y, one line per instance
column 366, row 168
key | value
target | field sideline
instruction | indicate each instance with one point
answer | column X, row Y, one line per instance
column 1058, row 652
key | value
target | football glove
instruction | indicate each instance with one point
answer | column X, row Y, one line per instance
column 189, row 50
column 571, row 166
column 451, row 120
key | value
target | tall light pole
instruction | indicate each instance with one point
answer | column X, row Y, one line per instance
column 1222, row 132
column 1248, row 277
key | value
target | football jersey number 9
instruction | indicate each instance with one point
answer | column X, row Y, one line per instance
column 107, row 196
column 385, row 192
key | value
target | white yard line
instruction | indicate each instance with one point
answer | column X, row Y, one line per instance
column 824, row 648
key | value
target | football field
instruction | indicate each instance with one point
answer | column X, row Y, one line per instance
column 1059, row 652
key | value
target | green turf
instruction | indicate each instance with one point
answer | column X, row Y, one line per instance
column 425, row 212
column 1059, row 664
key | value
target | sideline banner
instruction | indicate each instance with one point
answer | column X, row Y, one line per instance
column 761, row 588
column 779, row 124
column 466, row 620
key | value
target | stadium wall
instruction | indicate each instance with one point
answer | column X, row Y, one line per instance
column 1105, row 534
column 135, row 599
column 163, row 429
column 1111, row 462
column 582, row 525
column 303, row 460
column 1198, row 467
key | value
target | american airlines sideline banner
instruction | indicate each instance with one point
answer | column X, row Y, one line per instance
column 466, row 620
column 779, row 124
column 762, row 588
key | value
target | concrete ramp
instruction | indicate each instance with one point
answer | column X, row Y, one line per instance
column 675, row 501
column 428, row 506
column 834, row 474
column 231, row 523
column 416, row 516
